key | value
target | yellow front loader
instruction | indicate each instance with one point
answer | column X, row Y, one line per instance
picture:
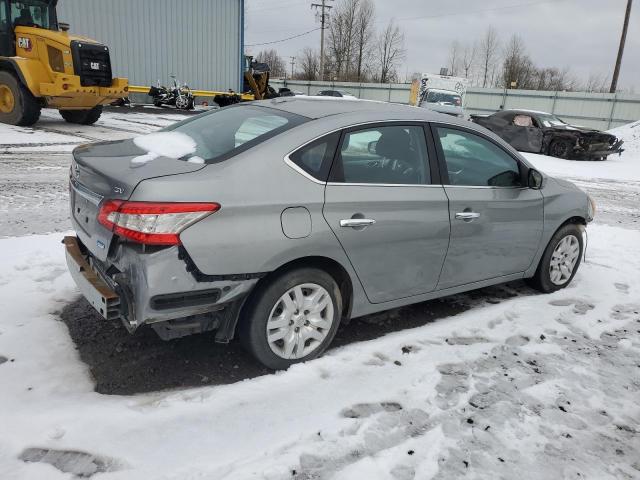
column 42, row 65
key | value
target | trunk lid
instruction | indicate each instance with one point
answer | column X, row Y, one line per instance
column 105, row 171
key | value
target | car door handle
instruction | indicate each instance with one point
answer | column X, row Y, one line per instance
column 467, row 215
column 357, row 222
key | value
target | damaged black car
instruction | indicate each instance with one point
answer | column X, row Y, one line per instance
column 539, row 132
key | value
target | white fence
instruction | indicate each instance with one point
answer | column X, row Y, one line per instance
column 597, row 110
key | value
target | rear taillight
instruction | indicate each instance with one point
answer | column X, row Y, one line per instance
column 152, row 223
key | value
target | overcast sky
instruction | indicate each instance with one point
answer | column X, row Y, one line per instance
column 581, row 34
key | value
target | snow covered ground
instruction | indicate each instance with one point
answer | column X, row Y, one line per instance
column 529, row 386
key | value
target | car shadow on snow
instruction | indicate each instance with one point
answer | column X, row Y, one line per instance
column 123, row 364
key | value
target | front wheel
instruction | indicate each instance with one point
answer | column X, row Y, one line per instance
column 82, row 117
column 292, row 319
column 560, row 148
column 560, row 260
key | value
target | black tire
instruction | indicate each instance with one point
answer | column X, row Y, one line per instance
column 26, row 108
column 252, row 328
column 560, row 148
column 542, row 278
column 82, row 117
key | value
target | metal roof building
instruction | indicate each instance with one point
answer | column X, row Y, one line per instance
column 199, row 41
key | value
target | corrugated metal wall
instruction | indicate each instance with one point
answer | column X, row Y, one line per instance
column 596, row 110
column 200, row 41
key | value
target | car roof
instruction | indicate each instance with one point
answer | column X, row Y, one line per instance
column 443, row 90
column 533, row 112
column 320, row 107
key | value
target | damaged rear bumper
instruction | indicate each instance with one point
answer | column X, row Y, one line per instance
column 156, row 288
column 100, row 295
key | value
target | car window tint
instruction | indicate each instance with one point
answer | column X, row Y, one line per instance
column 228, row 131
column 315, row 158
column 389, row 155
column 253, row 127
column 474, row 161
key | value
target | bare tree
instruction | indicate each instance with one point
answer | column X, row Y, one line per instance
column 489, row 49
column 342, row 38
column 454, row 57
column 275, row 62
column 517, row 68
column 309, row 64
column 469, row 59
column 597, row 83
column 365, row 34
column 390, row 51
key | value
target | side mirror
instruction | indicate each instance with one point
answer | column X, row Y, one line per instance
column 372, row 147
column 534, row 179
column 63, row 26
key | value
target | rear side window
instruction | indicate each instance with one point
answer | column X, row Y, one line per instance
column 226, row 132
column 316, row 157
column 383, row 155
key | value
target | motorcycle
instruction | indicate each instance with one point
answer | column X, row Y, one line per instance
column 178, row 95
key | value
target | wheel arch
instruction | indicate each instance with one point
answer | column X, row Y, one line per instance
column 326, row 264
column 572, row 220
column 9, row 65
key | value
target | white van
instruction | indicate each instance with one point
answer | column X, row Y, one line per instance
column 441, row 93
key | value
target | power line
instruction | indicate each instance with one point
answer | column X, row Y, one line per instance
column 283, row 39
column 474, row 12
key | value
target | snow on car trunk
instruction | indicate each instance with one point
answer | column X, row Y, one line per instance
column 112, row 170
column 536, row 386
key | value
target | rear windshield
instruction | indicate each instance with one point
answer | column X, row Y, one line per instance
column 224, row 133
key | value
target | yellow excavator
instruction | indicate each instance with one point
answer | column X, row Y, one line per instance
column 42, row 65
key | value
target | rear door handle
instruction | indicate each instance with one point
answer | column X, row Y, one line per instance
column 467, row 215
column 357, row 222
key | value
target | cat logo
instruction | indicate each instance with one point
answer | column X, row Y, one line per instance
column 95, row 66
column 25, row 43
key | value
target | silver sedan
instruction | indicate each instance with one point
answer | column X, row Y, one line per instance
column 278, row 221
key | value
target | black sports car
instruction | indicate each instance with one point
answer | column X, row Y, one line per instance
column 539, row 132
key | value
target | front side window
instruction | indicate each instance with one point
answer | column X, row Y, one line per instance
column 474, row 161
column 230, row 130
column 31, row 13
column 315, row 158
column 383, row 155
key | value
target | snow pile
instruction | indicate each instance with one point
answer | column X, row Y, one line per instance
column 163, row 144
column 630, row 133
column 534, row 386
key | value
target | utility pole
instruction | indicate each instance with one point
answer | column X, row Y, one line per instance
column 623, row 39
column 323, row 20
column 293, row 62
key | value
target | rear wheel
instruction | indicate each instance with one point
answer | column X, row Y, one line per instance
column 560, row 260
column 292, row 319
column 17, row 105
column 560, row 148
column 83, row 117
